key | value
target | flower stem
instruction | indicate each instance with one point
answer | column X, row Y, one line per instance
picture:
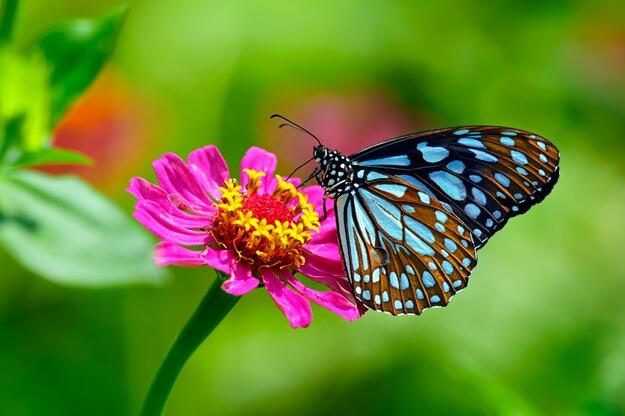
column 7, row 19
column 214, row 307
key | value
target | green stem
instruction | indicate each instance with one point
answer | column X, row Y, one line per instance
column 213, row 308
column 7, row 19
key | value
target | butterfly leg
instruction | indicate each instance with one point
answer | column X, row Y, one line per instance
column 314, row 175
column 325, row 210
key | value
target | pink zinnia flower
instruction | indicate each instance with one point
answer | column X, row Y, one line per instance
column 258, row 232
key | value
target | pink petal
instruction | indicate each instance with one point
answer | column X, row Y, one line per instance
column 326, row 271
column 163, row 225
column 144, row 190
column 333, row 281
column 317, row 270
column 241, row 280
column 314, row 193
column 315, row 197
column 210, row 169
column 260, row 160
column 327, row 234
column 323, row 251
column 293, row 305
column 295, row 181
column 222, row 260
column 332, row 301
column 192, row 221
column 168, row 253
column 176, row 178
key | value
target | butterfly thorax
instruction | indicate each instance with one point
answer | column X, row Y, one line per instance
column 336, row 174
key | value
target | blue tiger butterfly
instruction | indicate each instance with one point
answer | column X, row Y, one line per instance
column 412, row 211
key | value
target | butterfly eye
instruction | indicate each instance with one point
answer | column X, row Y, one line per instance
column 319, row 154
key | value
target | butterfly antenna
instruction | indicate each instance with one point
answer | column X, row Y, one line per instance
column 296, row 126
column 300, row 166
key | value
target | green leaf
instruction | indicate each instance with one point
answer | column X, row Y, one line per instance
column 9, row 136
column 8, row 10
column 52, row 156
column 76, row 51
column 25, row 95
column 61, row 229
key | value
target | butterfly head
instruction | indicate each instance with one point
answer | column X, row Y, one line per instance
column 335, row 171
column 320, row 153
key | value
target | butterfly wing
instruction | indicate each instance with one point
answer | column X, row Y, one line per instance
column 484, row 174
column 403, row 251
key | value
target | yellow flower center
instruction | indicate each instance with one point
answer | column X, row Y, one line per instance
column 264, row 230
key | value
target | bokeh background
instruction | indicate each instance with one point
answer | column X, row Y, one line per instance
column 541, row 329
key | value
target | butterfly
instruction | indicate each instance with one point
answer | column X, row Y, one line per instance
column 412, row 211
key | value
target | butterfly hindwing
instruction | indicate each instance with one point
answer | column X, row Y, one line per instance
column 403, row 251
column 485, row 175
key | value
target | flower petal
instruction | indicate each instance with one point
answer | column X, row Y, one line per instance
column 210, row 169
column 324, row 268
column 322, row 258
column 176, row 178
column 293, row 305
column 144, row 190
column 332, row 280
column 295, row 181
column 222, row 260
column 314, row 194
column 168, row 253
column 327, row 234
column 332, row 301
column 262, row 161
column 315, row 197
column 241, row 280
column 163, row 225
column 323, row 251
column 316, row 270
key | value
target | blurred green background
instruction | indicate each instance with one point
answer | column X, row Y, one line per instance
column 541, row 329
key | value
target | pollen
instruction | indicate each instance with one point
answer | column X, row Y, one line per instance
column 264, row 230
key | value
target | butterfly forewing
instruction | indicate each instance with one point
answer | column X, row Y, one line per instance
column 403, row 250
column 485, row 175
